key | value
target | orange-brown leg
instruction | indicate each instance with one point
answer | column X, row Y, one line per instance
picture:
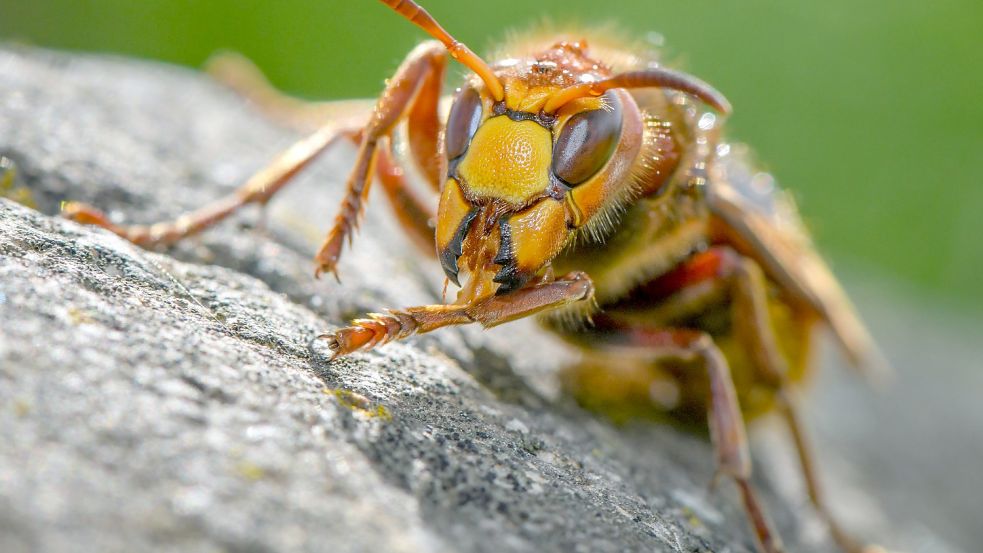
column 257, row 190
column 756, row 330
column 378, row 329
column 243, row 77
column 803, row 447
column 412, row 212
column 398, row 100
column 423, row 126
column 724, row 414
column 743, row 280
column 405, row 91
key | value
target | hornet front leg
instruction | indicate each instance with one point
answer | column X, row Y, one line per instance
column 410, row 93
column 378, row 329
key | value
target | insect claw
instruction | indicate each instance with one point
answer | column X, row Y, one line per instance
column 333, row 344
column 321, row 269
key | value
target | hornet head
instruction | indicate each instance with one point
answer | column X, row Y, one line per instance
column 520, row 180
column 534, row 149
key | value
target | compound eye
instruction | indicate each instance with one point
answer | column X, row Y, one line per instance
column 587, row 141
column 462, row 122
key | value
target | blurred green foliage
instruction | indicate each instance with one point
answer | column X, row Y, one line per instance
column 869, row 112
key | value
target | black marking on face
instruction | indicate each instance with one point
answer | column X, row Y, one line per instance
column 545, row 120
column 508, row 277
column 450, row 255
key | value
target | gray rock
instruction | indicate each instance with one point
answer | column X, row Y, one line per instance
column 174, row 401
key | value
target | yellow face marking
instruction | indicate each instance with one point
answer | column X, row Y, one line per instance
column 508, row 160
column 519, row 96
column 515, row 91
column 535, row 99
column 538, row 234
column 451, row 211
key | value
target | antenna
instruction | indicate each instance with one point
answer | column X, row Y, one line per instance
column 419, row 17
column 658, row 77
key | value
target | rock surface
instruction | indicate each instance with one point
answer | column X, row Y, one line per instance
column 174, row 401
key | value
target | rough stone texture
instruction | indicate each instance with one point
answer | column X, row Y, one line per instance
column 173, row 401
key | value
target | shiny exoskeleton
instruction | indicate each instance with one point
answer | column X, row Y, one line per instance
column 582, row 181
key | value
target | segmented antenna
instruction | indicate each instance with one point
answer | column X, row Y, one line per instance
column 657, row 77
column 419, row 17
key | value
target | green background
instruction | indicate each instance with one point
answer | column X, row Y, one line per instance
column 870, row 112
